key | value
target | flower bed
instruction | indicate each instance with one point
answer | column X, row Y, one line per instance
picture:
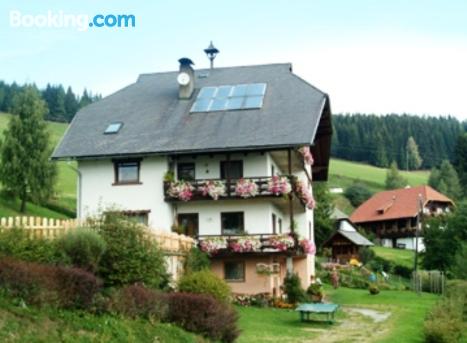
column 181, row 190
column 279, row 185
column 246, row 188
column 214, row 189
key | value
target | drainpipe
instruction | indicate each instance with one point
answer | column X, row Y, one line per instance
column 78, row 172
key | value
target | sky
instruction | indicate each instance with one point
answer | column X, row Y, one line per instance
column 369, row 56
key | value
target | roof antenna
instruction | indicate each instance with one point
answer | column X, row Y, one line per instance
column 211, row 51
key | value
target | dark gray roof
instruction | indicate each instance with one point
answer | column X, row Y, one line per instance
column 156, row 121
column 355, row 237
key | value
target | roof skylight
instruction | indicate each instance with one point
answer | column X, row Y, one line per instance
column 227, row 98
column 113, row 128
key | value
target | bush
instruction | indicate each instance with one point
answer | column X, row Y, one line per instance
column 204, row 315
column 366, row 255
column 444, row 323
column 138, row 301
column 196, row 260
column 17, row 243
column 131, row 256
column 357, row 193
column 293, row 288
column 373, row 289
column 84, row 248
column 45, row 284
column 205, row 282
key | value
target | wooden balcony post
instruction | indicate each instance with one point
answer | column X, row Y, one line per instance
column 227, row 173
column 289, row 170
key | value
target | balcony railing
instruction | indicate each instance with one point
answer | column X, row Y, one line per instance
column 255, row 243
column 215, row 189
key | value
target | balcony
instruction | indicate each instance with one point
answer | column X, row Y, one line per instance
column 279, row 188
column 255, row 244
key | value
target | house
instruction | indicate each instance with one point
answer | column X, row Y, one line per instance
column 394, row 215
column 346, row 242
column 220, row 154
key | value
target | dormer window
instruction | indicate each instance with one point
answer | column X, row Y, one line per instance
column 113, row 128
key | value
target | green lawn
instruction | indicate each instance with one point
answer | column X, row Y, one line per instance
column 18, row 324
column 405, row 323
column 344, row 173
column 398, row 256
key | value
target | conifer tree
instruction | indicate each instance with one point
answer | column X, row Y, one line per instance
column 25, row 169
column 393, row 179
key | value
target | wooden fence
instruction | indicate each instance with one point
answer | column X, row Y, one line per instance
column 169, row 242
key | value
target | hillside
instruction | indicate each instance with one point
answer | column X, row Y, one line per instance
column 65, row 189
column 343, row 173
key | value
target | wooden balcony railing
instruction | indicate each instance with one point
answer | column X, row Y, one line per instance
column 250, row 243
column 197, row 188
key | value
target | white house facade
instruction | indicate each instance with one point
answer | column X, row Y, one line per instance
column 224, row 156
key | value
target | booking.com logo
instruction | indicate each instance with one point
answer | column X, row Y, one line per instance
column 81, row 22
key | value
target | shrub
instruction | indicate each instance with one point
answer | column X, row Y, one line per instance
column 357, row 193
column 83, row 247
column 196, row 260
column 204, row 315
column 444, row 322
column 45, row 284
column 138, row 301
column 293, row 288
column 17, row 243
column 131, row 256
column 205, row 282
column 366, row 255
column 373, row 289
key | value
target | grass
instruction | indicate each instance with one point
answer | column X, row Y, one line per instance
column 401, row 257
column 344, row 173
column 20, row 324
column 405, row 323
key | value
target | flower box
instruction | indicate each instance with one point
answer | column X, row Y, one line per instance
column 214, row 189
column 279, row 185
column 246, row 188
column 182, row 190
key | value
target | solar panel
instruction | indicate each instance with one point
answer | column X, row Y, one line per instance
column 228, row 98
column 113, row 127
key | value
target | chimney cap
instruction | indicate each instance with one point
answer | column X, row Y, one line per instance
column 211, row 50
column 185, row 61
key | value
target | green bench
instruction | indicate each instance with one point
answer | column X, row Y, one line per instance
column 307, row 309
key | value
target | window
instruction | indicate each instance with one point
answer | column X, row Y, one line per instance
column 280, row 225
column 234, row 271
column 186, row 171
column 140, row 217
column 226, row 98
column 113, row 128
column 188, row 224
column 127, row 172
column 231, row 170
column 274, row 223
column 232, row 223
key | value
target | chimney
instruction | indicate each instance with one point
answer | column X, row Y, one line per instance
column 186, row 79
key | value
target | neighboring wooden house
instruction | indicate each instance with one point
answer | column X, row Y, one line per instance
column 219, row 154
column 393, row 216
column 346, row 242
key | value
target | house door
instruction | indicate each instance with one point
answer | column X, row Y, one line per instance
column 188, row 224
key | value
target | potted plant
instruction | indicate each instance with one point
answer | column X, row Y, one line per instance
column 315, row 292
column 214, row 189
column 306, row 154
column 304, row 194
column 279, row 185
column 246, row 188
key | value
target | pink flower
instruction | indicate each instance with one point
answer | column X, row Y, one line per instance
column 181, row 190
column 307, row 156
column 214, row 189
column 279, row 185
column 308, row 246
column 246, row 188
column 305, row 195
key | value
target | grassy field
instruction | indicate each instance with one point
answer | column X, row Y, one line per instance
column 406, row 315
column 401, row 257
column 20, row 324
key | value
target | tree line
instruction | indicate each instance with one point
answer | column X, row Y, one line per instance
column 413, row 142
column 61, row 105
